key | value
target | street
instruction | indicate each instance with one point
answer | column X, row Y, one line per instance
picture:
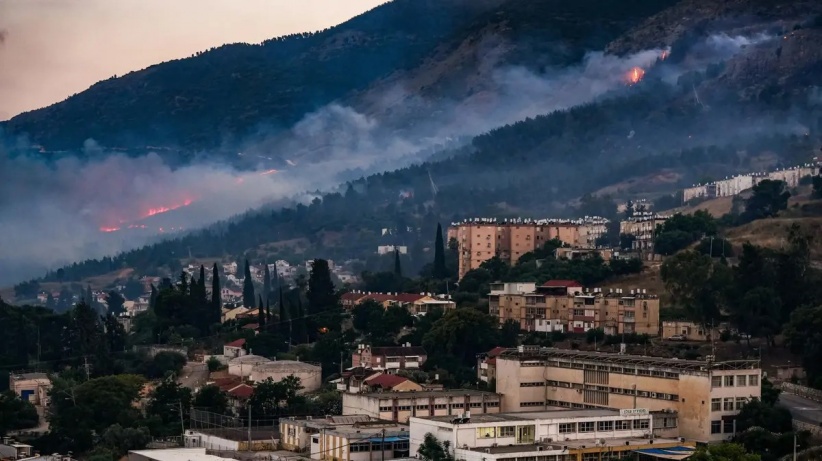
column 802, row 409
column 194, row 375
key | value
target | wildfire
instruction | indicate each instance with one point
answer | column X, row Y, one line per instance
column 109, row 229
column 156, row 211
column 267, row 172
column 635, row 75
column 665, row 54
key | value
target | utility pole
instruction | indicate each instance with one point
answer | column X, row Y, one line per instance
column 86, row 366
column 182, row 424
column 249, row 427
column 382, row 447
column 794, row 446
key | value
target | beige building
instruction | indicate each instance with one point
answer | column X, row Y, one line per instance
column 32, row 387
column 700, row 398
column 310, row 375
column 479, row 240
column 564, row 305
column 643, row 227
column 399, row 406
column 347, row 438
column 688, row 331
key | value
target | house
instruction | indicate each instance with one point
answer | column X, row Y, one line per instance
column 232, row 314
column 350, row 299
column 391, row 383
column 12, row 450
column 416, row 304
column 234, row 349
column 239, row 395
column 389, row 358
column 32, row 387
column 688, row 331
column 487, row 365
column 353, row 379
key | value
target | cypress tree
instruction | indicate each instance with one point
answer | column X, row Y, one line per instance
column 216, row 296
column 267, row 284
column 152, row 300
column 283, row 314
column 440, row 272
column 397, row 266
column 268, row 312
column 260, row 313
column 184, row 283
column 248, row 287
column 202, row 297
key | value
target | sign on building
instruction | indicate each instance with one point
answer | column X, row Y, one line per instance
column 634, row 412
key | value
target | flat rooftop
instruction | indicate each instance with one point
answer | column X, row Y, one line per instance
column 426, row 394
column 577, row 444
column 177, row 454
column 240, row 434
column 559, row 413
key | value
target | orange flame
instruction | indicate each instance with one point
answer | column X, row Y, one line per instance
column 109, row 229
column 635, row 75
column 267, row 172
column 156, row 211
column 665, row 54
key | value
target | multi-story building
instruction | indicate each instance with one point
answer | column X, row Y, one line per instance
column 642, row 226
column 399, row 406
column 479, row 240
column 702, row 398
column 564, row 305
column 389, row 358
column 557, row 435
column 736, row 184
column 352, row 438
column 416, row 304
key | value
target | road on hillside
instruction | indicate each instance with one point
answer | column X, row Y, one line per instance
column 194, row 375
column 801, row 408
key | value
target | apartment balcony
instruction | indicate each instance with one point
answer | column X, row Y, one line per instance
column 392, row 365
column 412, row 364
column 483, row 366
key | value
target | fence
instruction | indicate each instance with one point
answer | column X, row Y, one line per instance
column 802, row 391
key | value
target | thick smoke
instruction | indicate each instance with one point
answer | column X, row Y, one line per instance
column 51, row 214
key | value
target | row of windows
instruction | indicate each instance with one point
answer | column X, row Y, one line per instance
column 722, row 427
column 496, row 431
column 735, row 380
column 613, row 390
column 591, row 426
column 613, row 369
column 440, row 406
column 366, row 447
column 728, row 404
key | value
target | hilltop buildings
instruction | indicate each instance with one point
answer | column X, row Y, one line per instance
column 479, row 240
column 642, row 226
column 697, row 399
column 389, row 358
column 564, row 305
column 736, row 184
column 417, row 304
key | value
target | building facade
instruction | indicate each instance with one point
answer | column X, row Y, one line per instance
column 479, row 240
column 31, row 387
column 344, row 437
column 564, row 305
column 700, row 398
column 310, row 374
column 737, row 184
column 389, row 358
column 642, row 226
column 399, row 406
column 557, row 435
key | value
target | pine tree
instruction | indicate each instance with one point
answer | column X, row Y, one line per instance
column 260, row 313
column 267, row 284
column 397, row 266
column 440, row 272
column 216, row 296
column 248, row 287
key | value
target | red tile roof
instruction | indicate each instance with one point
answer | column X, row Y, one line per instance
column 561, row 284
column 236, row 343
column 495, row 351
column 378, row 297
column 243, row 391
column 385, row 381
column 407, row 297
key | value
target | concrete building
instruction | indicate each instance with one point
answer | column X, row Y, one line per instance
column 700, row 398
column 234, row 349
column 241, row 366
column 32, row 387
column 584, row 253
column 487, row 365
column 389, row 358
column 688, row 331
column 564, row 305
column 310, row 375
column 173, row 454
column 12, row 450
column 416, row 304
column 399, row 406
column 479, row 240
column 357, row 438
column 558, row 435
column 642, row 226
column 737, row 184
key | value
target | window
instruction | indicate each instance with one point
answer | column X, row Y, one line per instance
column 716, row 381
column 716, row 427
column 485, row 432
column 506, row 431
column 741, row 380
column 716, row 404
column 728, row 404
column 728, row 426
column 753, row 380
column 740, row 402
column 579, row 312
column 729, row 381
column 567, row 428
column 623, row 425
column 586, row 426
column 641, row 424
column 605, row 425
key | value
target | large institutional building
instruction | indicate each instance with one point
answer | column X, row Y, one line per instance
column 700, row 399
column 479, row 240
column 564, row 305
column 399, row 406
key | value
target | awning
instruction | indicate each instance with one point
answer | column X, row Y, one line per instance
column 680, row 452
column 387, row 439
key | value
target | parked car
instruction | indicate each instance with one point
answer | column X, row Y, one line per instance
column 677, row 338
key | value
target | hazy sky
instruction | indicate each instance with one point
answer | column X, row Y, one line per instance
column 51, row 49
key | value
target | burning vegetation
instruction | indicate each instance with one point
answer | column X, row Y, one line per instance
column 635, row 75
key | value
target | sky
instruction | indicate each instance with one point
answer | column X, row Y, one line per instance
column 51, row 49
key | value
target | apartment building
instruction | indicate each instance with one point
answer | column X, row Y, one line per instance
column 643, row 227
column 556, row 435
column 736, row 184
column 389, row 358
column 479, row 240
column 564, row 305
column 699, row 398
column 399, row 406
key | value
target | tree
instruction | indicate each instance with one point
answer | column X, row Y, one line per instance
column 202, row 296
column 260, row 313
column 269, row 396
column 817, row 181
column 267, row 284
column 213, row 364
column 769, row 198
column 120, row 440
column 459, row 336
column 696, row 283
column 509, row 333
column 164, row 364
column 133, row 288
column 248, row 287
column 115, row 302
column 756, row 413
column 440, row 271
column 803, row 335
column 323, row 302
column 16, row 413
column 397, row 266
column 723, row 452
column 216, row 295
column 165, row 404
column 212, row 398
column 757, row 313
column 432, row 449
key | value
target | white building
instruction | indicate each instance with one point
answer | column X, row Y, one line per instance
column 387, row 249
column 242, row 365
column 172, row 454
column 234, row 349
column 559, row 435
column 310, row 375
column 340, row 435
column 32, row 387
column 399, row 406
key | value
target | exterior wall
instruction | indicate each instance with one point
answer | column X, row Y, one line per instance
column 532, row 386
column 294, row 437
column 643, row 229
column 32, row 390
column 194, row 439
column 233, row 352
column 310, row 380
column 407, row 386
column 399, row 407
column 336, row 447
column 736, row 394
column 690, row 330
column 367, row 359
